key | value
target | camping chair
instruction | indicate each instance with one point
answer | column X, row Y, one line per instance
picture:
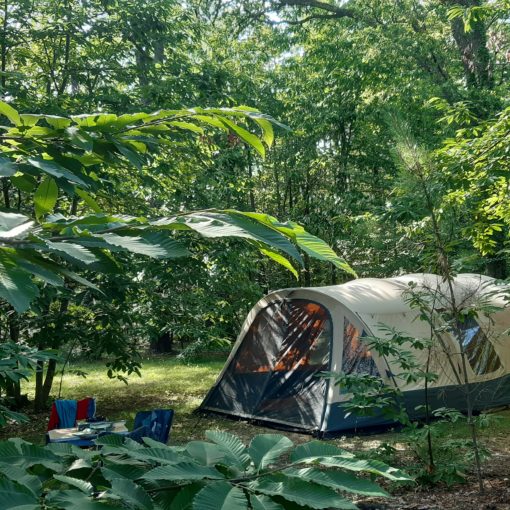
column 155, row 424
column 65, row 413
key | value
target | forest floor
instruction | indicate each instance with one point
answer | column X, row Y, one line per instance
column 165, row 383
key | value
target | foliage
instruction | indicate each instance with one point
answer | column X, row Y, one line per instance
column 219, row 473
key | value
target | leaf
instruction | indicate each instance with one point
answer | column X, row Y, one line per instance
column 45, row 197
column 338, row 480
column 318, row 249
column 82, row 485
column 19, row 475
column 220, row 496
column 302, row 492
column 10, row 113
column 88, row 200
column 160, row 455
column 14, row 225
column 7, row 167
column 314, row 449
column 14, row 496
column 131, row 493
column 55, row 170
column 24, row 182
column 274, row 255
column 16, row 285
column 261, row 502
column 267, row 130
column 74, row 251
column 266, row 448
column 152, row 244
column 246, row 136
column 207, row 454
column 183, row 471
column 33, row 455
column 73, row 500
column 57, row 122
column 231, row 446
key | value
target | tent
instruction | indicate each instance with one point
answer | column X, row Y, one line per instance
column 272, row 375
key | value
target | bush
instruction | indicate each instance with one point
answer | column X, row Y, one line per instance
column 221, row 473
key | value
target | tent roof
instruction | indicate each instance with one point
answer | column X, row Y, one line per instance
column 383, row 296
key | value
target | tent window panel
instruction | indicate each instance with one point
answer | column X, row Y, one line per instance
column 356, row 357
column 479, row 351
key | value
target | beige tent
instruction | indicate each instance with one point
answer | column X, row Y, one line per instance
column 292, row 335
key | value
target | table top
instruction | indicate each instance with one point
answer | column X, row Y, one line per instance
column 63, row 435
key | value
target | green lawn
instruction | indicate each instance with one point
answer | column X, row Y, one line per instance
column 167, row 383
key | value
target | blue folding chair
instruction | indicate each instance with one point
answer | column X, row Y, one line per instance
column 154, row 424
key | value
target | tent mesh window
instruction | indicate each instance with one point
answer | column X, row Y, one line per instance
column 479, row 351
column 275, row 372
column 356, row 357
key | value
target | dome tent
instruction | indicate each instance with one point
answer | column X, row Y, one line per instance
column 272, row 375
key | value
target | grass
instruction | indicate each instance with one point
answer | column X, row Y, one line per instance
column 167, row 383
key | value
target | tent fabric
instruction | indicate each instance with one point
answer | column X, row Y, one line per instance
column 291, row 336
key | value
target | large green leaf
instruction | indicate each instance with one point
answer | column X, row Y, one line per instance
column 71, row 250
column 207, row 454
column 56, row 170
column 82, row 485
column 183, row 471
column 302, row 492
column 73, row 500
column 220, row 496
column 179, row 499
column 232, row 447
column 10, row 113
column 19, row 475
column 160, row 455
column 314, row 449
column 14, row 225
column 369, row 466
column 45, row 197
column 7, row 167
column 133, row 494
column 14, row 496
column 261, row 502
column 16, row 285
column 338, row 480
column 265, row 449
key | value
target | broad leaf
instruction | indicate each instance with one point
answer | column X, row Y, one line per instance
column 338, row 480
column 314, row 449
column 232, row 446
column 14, row 495
column 265, row 449
column 183, row 471
column 10, row 113
column 302, row 492
column 82, row 485
column 133, row 494
column 74, row 500
column 207, row 454
column 220, row 496
column 261, row 502
column 45, row 197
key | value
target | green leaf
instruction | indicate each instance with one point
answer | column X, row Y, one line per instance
column 231, row 445
column 82, row 485
column 88, row 200
column 24, row 182
column 246, row 136
column 160, row 455
column 131, row 493
column 338, row 480
column 207, row 454
column 302, row 492
column 10, row 113
column 19, row 475
column 73, row 500
column 280, row 259
column 220, row 496
column 55, row 170
column 266, row 448
column 183, row 471
column 14, row 225
column 16, row 285
column 261, row 502
column 14, row 496
column 45, row 197
column 57, row 122
column 73, row 251
column 314, row 449
column 7, row 167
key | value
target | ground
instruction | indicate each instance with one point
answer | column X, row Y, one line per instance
column 167, row 383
